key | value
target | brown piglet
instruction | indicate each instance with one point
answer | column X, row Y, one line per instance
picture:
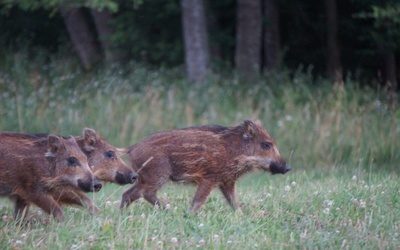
column 105, row 163
column 208, row 156
column 32, row 170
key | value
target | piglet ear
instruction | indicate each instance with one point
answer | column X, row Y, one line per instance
column 54, row 144
column 249, row 129
column 90, row 138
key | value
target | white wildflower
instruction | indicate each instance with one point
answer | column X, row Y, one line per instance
column 287, row 188
column 91, row 238
column 174, row 240
column 362, row 204
column 355, row 201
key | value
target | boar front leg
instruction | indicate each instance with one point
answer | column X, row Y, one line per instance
column 21, row 209
column 48, row 204
column 77, row 198
column 229, row 192
column 131, row 195
column 204, row 189
column 151, row 196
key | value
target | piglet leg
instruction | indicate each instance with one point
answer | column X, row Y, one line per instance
column 21, row 209
column 130, row 195
column 203, row 191
column 76, row 198
column 229, row 192
column 48, row 204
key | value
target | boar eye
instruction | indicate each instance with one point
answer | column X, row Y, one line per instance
column 72, row 162
column 266, row 145
column 110, row 155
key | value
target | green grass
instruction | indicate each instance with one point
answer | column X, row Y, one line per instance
column 279, row 212
column 342, row 142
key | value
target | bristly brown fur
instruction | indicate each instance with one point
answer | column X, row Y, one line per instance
column 208, row 156
column 33, row 167
column 105, row 163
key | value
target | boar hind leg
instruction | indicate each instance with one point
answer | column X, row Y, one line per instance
column 49, row 205
column 203, row 191
column 131, row 195
column 229, row 192
column 21, row 209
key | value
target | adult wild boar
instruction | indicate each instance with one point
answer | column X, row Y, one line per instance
column 209, row 156
column 32, row 170
column 105, row 163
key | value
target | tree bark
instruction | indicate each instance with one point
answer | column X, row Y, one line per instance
column 390, row 73
column 248, row 39
column 272, row 41
column 197, row 52
column 334, row 70
column 102, row 21
column 82, row 36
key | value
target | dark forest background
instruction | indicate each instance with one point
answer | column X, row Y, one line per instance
column 356, row 39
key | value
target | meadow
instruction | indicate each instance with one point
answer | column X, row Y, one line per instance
column 342, row 142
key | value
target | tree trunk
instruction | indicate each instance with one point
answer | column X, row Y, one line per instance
column 213, row 27
column 390, row 73
column 248, row 39
column 272, row 41
column 82, row 36
column 102, row 21
column 197, row 52
column 333, row 55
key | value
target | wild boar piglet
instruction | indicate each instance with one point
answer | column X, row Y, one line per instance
column 32, row 169
column 208, row 156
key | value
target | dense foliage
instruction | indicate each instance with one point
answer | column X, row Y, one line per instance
column 150, row 32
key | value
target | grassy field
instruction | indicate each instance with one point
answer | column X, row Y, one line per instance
column 343, row 144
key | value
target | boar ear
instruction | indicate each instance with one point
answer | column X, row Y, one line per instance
column 90, row 138
column 54, row 145
column 249, row 129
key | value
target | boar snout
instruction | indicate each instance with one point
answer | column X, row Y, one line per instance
column 287, row 168
column 279, row 167
column 96, row 186
column 125, row 178
column 93, row 185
